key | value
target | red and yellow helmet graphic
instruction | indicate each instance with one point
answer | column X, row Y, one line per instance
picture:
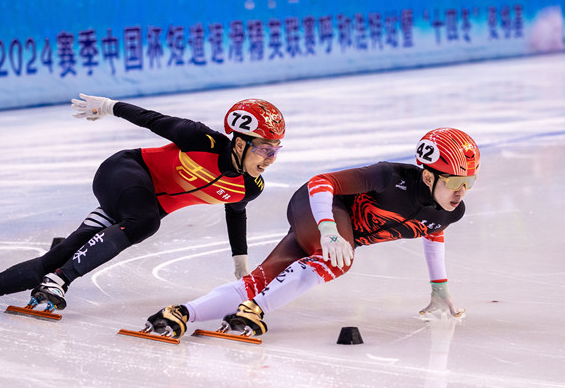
column 257, row 118
column 449, row 151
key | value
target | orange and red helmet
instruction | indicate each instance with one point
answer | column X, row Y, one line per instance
column 256, row 118
column 449, row 151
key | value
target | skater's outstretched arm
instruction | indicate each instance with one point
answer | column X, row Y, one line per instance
column 185, row 133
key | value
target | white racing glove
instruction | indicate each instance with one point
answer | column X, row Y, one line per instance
column 241, row 266
column 441, row 300
column 334, row 246
column 91, row 107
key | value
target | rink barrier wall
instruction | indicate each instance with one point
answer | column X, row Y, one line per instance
column 50, row 51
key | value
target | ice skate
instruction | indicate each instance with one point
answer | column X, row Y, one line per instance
column 247, row 321
column 169, row 323
column 147, row 333
column 29, row 311
column 52, row 291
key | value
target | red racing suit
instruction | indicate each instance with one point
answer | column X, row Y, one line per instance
column 196, row 168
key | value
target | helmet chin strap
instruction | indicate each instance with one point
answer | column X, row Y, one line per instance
column 239, row 161
column 436, row 178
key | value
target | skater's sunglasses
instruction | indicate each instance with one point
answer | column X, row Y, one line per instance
column 265, row 151
column 455, row 182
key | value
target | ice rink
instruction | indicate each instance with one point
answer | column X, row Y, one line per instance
column 505, row 257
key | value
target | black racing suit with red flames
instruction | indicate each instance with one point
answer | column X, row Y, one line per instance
column 372, row 204
column 381, row 202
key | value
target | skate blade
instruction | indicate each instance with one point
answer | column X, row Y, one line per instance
column 28, row 311
column 234, row 337
column 146, row 335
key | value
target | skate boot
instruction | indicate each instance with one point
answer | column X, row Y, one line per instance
column 249, row 317
column 51, row 290
column 170, row 320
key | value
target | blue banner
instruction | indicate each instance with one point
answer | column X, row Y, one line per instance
column 52, row 50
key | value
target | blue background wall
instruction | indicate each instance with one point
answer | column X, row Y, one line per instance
column 52, row 50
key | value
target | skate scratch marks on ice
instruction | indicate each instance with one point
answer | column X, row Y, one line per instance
column 383, row 359
column 409, row 335
column 16, row 246
column 156, row 270
column 171, row 251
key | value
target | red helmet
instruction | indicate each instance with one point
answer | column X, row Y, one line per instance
column 256, row 118
column 449, row 151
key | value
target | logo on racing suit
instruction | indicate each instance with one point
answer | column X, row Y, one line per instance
column 402, row 185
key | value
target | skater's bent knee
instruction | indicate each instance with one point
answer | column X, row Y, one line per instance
column 139, row 229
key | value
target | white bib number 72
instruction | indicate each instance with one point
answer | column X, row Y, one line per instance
column 242, row 121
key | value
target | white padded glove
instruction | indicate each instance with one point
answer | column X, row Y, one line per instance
column 92, row 107
column 441, row 300
column 241, row 266
column 334, row 247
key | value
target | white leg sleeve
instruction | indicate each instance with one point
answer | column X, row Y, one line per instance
column 217, row 303
column 294, row 281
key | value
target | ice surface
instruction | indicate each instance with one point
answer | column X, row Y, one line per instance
column 505, row 258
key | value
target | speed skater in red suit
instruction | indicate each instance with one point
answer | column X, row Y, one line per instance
column 137, row 188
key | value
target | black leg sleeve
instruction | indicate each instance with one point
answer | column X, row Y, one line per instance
column 102, row 247
column 21, row 277
column 27, row 275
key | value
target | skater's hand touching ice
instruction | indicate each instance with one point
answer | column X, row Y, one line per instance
column 171, row 320
column 92, row 107
column 441, row 300
column 334, row 246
